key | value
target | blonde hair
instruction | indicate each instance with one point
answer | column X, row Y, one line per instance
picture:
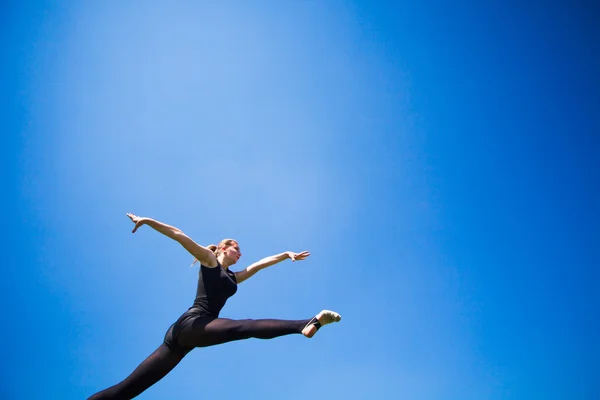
column 217, row 248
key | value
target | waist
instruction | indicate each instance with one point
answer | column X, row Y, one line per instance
column 203, row 310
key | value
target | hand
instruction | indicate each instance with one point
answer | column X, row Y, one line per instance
column 138, row 221
column 297, row 256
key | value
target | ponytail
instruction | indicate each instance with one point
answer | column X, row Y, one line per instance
column 211, row 247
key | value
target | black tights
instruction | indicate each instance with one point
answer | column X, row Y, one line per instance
column 200, row 333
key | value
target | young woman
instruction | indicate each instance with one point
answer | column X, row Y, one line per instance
column 200, row 325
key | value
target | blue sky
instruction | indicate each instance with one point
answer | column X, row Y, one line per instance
column 440, row 162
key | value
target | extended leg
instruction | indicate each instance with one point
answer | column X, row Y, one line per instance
column 202, row 332
column 150, row 371
column 221, row 330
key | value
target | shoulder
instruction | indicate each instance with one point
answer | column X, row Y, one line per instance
column 204, row 265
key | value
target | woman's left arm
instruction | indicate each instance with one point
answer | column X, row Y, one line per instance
column 250, row 270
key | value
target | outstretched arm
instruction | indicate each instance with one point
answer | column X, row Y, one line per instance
column 249, row 271
column 204, row 255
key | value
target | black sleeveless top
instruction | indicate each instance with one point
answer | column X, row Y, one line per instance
column 215, row 286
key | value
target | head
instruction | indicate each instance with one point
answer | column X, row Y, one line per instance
column 227, row 251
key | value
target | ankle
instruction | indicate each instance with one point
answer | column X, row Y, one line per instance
column 309, row 330
column 311, row 327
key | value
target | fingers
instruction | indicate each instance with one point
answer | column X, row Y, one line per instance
column 136, row 220
column 299, row 256
column 304, row 254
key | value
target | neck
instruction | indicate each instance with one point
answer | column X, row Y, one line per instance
column 222, row 261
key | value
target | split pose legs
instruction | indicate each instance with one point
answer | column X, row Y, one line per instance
column 203, row 333
column 200, row 325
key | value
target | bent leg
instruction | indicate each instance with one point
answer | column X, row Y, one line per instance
column 150, row 371
column 202, row 333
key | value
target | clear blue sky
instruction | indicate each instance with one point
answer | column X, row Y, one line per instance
column 440, row 161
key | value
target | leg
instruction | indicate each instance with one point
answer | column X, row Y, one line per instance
column 202, row 332
column 150, row 371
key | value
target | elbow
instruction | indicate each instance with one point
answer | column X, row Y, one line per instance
column 177, row 234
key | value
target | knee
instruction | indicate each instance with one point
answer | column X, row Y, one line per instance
column 245, row 327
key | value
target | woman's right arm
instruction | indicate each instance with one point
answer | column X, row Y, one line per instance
column 204, row 255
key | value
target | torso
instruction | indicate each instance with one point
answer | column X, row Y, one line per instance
column 215, row 286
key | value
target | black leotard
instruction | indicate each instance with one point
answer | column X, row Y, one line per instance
column 199, row 326
column 215, row 286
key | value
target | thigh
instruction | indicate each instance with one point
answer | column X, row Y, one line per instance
column 171, row 339
column 204, row 332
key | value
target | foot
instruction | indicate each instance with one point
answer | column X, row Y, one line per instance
column 323, row 318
